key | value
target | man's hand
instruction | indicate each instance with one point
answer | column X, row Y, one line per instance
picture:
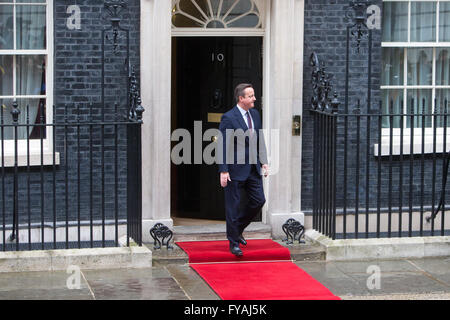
column 265, row 168
column 224, row 178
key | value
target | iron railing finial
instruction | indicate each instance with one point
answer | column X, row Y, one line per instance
column 15, row 112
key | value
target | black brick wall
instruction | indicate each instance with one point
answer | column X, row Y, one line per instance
column 325, row 34
column 77, row 83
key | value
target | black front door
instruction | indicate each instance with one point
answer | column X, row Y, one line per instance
column 205, row 72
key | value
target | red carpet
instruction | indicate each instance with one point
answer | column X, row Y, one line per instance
column 219, row 251
column 234, row 278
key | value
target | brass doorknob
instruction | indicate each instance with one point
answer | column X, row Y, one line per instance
column 296, row 125
column 213, row 138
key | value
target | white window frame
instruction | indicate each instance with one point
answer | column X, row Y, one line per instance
column 429, row 132
column 34, row 144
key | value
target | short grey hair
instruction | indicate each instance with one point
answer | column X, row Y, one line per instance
column 240, row 90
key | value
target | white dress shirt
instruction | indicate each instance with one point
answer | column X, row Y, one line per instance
column 244, row 115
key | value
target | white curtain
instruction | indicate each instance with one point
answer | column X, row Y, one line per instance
column 442, row 99
column 6, row 75
column 6, row 27
column 420, row 66
column 30, row 81
column 443, row 66
column 442, row 78
column 421, row 98
column 394, row 97
column 395, row 21
column 31, row 34
column 423, row 21
column 392, row 66
column 444, row 21
column 443, row 61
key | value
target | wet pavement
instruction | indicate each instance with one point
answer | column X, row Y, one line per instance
column 419, row 279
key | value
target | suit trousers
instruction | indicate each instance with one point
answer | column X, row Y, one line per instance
column 238, row 218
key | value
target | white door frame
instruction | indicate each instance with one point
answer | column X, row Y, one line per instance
column 282, row 89
column 243, row 32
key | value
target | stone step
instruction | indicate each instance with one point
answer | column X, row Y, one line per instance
column 256, row 230
column 299, row 252
column 163, row 256
column 304, row 252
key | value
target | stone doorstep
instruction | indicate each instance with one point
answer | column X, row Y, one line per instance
column 86, row 259
column 256, row 230
column 299, row 252
column 380, row 248
column 304, row 252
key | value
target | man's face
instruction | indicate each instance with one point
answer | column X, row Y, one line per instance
column 248, row 100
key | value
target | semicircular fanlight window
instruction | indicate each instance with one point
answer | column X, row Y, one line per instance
column 215, row 14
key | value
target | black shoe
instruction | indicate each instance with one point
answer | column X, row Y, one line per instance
column 242, row 241
column 236, row 251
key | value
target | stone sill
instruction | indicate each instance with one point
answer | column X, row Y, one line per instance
column 416, row 150
column 380, row 248
column 35, row 159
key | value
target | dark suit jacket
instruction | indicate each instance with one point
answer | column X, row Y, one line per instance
column 241, row 150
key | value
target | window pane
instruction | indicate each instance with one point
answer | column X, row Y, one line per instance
column 442, row 99
column 392, row 71
column 249, row 21
column 33, row 115
column 30, row 75
column 395, row 21
column 444, row 21
column 36, row 114
column 180, row 21
column 30, row 1
column 5, row 115
column 6, row 28
column 423, row 21
column 422, row 101
column 242, row 7
column 190, row 17
column 6, row 75
column 394, row 97
column 443, row 66
column 420, row 66
column 31, row 26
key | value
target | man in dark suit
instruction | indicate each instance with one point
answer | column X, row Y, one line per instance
column 243, row 162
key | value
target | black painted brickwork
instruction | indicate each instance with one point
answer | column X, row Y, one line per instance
column 325, row 34
column 77, row 84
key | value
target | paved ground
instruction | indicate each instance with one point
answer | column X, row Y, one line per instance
column 421, row 279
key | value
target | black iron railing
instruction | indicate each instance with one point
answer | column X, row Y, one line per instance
column 379, row 172
column 77, row 185
column 393, row 179
column 75, row 181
